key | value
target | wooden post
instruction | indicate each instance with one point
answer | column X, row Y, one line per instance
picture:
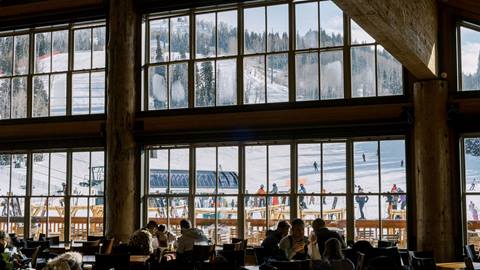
column 433, row 176
column 122, row 206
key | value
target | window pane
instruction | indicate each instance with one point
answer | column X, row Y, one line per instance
column 472, row 164
column 256, row 171
column 179, row 170
column 58, row 95
column 78, row 222
column 254, row 79
column 205, row 84
column 366, row 225
column 334, row 213
column 254, row 30
column 392, row 166
column 389, row 74
column 4, row 214
column 80, row 173
column 5, row 92
column 17, row 216
column 38, row 213
column 309, row 209
column 5, row 167
column 227, row 33
column 359, row 36
column 157, row 209
column 334, row 168
column 179, row 38
column 363, row 71
column 205, row 35
column 80, row 93
column 83, row 46
column 331, row 75
column 394, row 219
column 40, row 173
column 306, row 25
column 42, row 52
column 227, row 219
column 308, row 169
column 226, row 82
column 178, row 84
column 206, row 173
column 157, row 88
column 331, row 24
column 178, row 207
column 58, row 174
column 473, row 224
column 158, row 174
column 60, row 51
column 97, row 172
column 470, row 52
column 19, row 175
column 96, row 216
column 205, row 215
column 56, row 217
column 279, row 209
column 97, row 98
column 159, row 41
column 19, row 97
column 99, row 43
column 40, row 96
column 228, row 181
column 306, row 74
column 279, row 169
column 6, row 56
column 255, row 219
column 277, row 25
column 366, row 167
column 277, row 78
column 21, row 54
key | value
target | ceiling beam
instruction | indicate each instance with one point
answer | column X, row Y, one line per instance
column 407, row 29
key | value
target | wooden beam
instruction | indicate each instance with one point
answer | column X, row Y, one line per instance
column 407, row 29
column 47, row 6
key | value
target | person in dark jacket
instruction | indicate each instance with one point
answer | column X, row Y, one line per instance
column 323, row 234
column 270, row 243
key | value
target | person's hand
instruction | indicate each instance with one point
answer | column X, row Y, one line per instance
column 299, row 247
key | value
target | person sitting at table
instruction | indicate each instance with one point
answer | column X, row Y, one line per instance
column 333, row 258
column 142, row 241
column 164, row 237
column 270, row 244
column 188, row 238
column 295, row 245
column 323, row 234
column 66, row 261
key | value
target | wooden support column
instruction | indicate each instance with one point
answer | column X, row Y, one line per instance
column 433, row 176
column 122, row 204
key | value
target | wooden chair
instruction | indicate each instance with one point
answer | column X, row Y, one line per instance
column 95, row 238
column 243, row 241
column 115, row 261
column 259, row 253
column 54, row 240
column 107, row 247
column 360, row 260
column 203, row 255
column 90, row 247
column 469, row 263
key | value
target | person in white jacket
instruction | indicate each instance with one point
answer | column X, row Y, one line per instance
column 189, row 236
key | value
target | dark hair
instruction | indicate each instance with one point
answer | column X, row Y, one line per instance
column 161, row 227
column 283, row 224
column 185, row 224
column 333, row 250
column 152, row 224
column 318, row 224
column 297, row 222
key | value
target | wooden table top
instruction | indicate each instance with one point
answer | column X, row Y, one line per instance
column 455, row 265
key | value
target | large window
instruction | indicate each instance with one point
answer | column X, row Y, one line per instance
column 468, row 57
column 53, row 192
column 471, row 188
column 259, row 53
column 39, row 69
column 224, row 188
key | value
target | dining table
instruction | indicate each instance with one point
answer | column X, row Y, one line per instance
column 134, row 259
column 455, row 266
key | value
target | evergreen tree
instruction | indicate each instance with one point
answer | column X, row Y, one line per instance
column 205, row 85
column 472, row 147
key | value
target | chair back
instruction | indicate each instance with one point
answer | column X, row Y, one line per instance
column 54, row 240
column 115, row 261
column 202, row 253
column 42, row 244
column 385, row 244
column 242, row 241
column 259, row 253
column 42, row 237
column 469, row 264
column 291, row 265
column 107, row 246
column 360, row 260
column 90, row 247
column 95, row 238
column 423, row 263
column 234, row 258
column 35, row 255
column 470, row 252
